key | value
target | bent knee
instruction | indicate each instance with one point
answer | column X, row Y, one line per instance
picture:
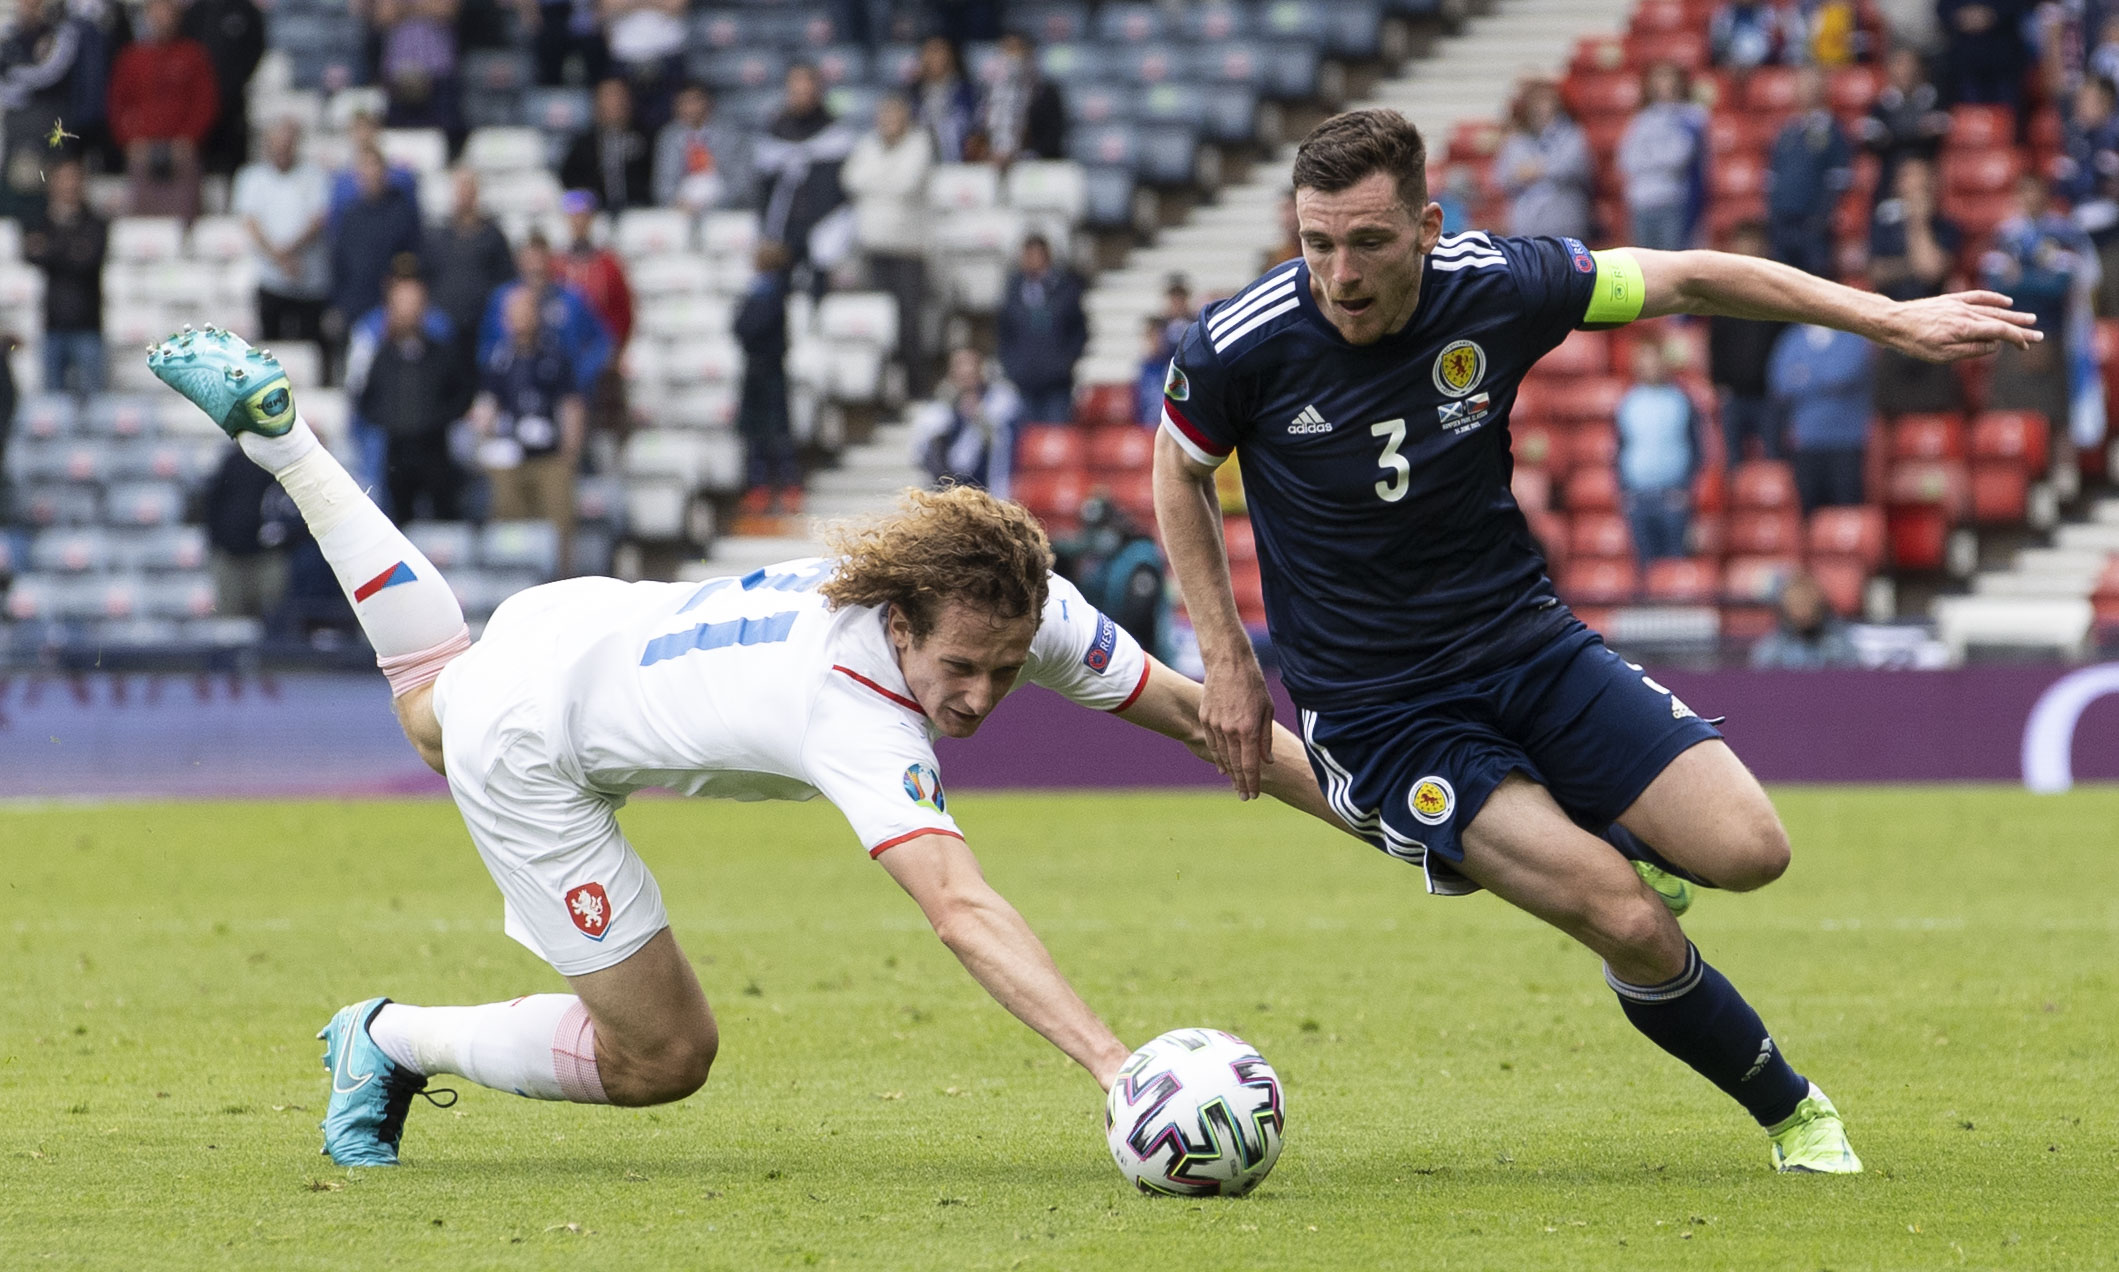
column 1758, row 856
column 1637, row 926
column 675, row 1070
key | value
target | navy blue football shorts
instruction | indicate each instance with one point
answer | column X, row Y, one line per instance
column 1574, row 717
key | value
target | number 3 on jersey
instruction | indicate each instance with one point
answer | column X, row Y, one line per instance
column 1392, row 488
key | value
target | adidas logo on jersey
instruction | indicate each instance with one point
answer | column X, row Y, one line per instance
column 1309, row 422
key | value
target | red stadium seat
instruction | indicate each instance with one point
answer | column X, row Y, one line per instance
column 2000, row 493
column 1595, row 54
column 1974, row 172
column 1122, row 448
column 2020, row 436
column 1608, row 581
column 1532, row 488
column 1054, row 495
column 1853, row 533
column 1582, row 353
column 1109, row 404
column 1733, row 132
column 1133, row 492
column 1762, row 483
column 1039, row 447
column 1755, row 579
column 1598, row 534
column 1250, row 593
column 1550, row 530
column 1928, row 436
column 2105, row 599
column 1919, row 536
column 1710, row 535
column 1659, row 15
column 1594, row 443
column 1851, row 89
column 1602, row 93
column 1842, row 581
column 1474, row 139
column 1593, row 489
column 1938, row 483
column 1534, row 398
column 1770, row 90
column 1587, row 397
column 1754, row 532
column 1537, row 446
column 1974, row 127
column 1687, row 48
column 1738, row 176
column 1243, row 543
column 1977, row 215
column 1683, row 581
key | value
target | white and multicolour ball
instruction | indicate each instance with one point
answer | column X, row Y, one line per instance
column 1195, row 1113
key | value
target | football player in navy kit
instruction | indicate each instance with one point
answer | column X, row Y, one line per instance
column 1456, row 713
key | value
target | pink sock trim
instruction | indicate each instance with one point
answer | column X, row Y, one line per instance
column 574, row 1058
column 407, row 672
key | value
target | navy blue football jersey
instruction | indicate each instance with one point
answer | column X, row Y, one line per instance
column 1394, row 557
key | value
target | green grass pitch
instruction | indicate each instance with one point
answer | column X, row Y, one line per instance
column 1462, row 1091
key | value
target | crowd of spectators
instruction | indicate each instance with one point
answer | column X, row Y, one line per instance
column 415, row 316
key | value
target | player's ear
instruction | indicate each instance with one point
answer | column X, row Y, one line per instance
column 1430, row 226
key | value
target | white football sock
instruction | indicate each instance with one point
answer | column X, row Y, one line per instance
column 403, row 603
column 542, row 1046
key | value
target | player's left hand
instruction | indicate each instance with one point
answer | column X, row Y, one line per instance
column 1960, row 325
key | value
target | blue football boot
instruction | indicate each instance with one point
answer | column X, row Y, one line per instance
column 240, row 388
column 370, row 1092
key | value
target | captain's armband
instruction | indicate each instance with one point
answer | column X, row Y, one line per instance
column 1620, row 289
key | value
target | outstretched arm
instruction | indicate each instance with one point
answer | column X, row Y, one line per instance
column 1169, row 704
column 1235, row 714
column 1936, row 329
column 1000, row 951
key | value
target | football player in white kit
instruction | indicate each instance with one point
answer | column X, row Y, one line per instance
column 826, row 676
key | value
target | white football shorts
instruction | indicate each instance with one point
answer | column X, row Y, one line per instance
column 574, row 891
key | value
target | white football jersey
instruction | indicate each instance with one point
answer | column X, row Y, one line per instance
column 751, row 688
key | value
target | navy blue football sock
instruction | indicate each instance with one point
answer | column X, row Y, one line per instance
column 1631, row 848
column 1699, row 1017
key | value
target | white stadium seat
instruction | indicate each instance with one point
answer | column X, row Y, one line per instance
column 146, row 239
column 729, row 234
column 652, row 232
column 21, row 286
column 10, row 240
column 705, row 407
column 996, row 231
column 963, row 187
column 669, row 274
column 220, row 238
column 1051, row 185
column 865, row 317
column 496, row 150
column 423, row 150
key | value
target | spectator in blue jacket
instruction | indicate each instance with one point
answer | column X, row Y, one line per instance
column 565, row 313
column 1659, row 452
column 371, row 444
column 366, row 132
column 2039, row 258
column 1744, row 35
column 381, row 223
column 1043, row 332
column 1820, row 381
column 2086, row 174
column 1987, row 50
column 1811, row 167
column 944, row 100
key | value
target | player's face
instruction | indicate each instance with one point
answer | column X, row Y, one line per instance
column 1364, row 248
column 967, row 664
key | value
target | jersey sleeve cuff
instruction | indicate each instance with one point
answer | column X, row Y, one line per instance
column 1203, row 449
column 909, row 835
column 1138, row 686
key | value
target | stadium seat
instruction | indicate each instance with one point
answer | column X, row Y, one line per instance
column 169, row 548
column 1979, row 127
column 1759, row 532
column 1603, row 93
column 61, row 505
column 1249, row 589
column 1938, row 483
column 651, row 231
column 842, row 65
column 1593, row 444
column 1132, row 492
column 221, row 239
column 1592, row 489
column 1536, row 445
column 1855, row 533
column 1531, row 487
column 1967, row 171
column 1755, row 579
column 1125, row 448
column 448, row 544
column 1842, row 581
column 1852, row 89
column 2000, row 493
column 1598, row 534
column 1072, row 62
column 963, row 186
column 529, row 546
column 1682, row 581
column 864, row 317
column 1588, row 397
column 1130, row 23
column 557, row 113
column 47, row 415
column 1582, row 353
column 1919, row 536
column 1054, row 185
column 1241, row 539
column 1102, row 404
column 145, row 503
column 1594, row 54
column 1927, row 436
column 1737, row 176
column 491, row 150
column 1686, row 48
column 146, row 240
column 1762, row 483
column 185, row 595
column 1053, row 496
column 1550, row 530
column 423, row 150
column 1207, row 20
column 1658, row 15
column 736, row 69
column 1769, row 91
column 1050, row 448
column 80, row 550
column 2019, row 437
column 1599, row 581
column 709, row 407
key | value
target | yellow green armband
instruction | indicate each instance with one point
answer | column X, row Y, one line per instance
column 1620, row 289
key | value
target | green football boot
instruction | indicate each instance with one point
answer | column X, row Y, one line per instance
column 1676, row 892
column 1813, row 1140
column 240, row 388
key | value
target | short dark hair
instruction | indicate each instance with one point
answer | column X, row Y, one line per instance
column 1343, row 150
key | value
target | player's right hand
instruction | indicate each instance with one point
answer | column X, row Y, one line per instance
column 1236, row 713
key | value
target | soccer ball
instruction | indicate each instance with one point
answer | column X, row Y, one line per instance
column 1195, row 1113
